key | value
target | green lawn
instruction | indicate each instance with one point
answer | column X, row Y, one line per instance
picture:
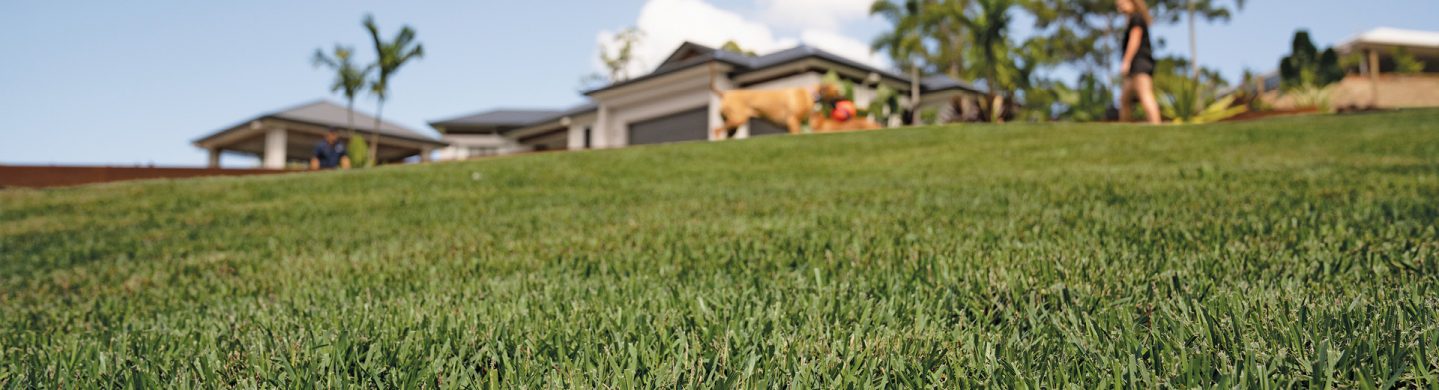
column 1295, row 251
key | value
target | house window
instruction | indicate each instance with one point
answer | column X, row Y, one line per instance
column 588, row 142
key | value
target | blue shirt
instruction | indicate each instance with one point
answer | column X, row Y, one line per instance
column 329, row 154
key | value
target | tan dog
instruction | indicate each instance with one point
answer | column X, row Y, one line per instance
column 788, row 106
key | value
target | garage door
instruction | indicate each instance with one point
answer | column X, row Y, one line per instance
column 689, row 125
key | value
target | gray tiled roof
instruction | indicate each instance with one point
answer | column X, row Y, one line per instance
column 504, row 121
column 572, row 111
column 497, row 118
column 328, row 114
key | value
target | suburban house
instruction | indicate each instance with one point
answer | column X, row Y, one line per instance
column 483, row 134
column 675, row 103
column 289, row 136
column 1375, row 83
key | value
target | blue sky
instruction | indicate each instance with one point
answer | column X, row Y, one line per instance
column 125, row 83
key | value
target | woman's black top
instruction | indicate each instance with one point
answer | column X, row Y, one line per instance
column 1144, row 59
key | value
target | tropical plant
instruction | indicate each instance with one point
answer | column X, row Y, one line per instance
column 924, row 33
column 734, row 47
column 1221, row 109
column 904, row 42
column 928, row 116
column 1089, row 101
column 1211, row 10
column 988, row 26
column 349, row 81
column 1043, row 100
column 1312, row 97
column 390, row 56
column 619, row 57
column 359, row 152
column 830, row 78
column 1405, row 62
column 884, row 105
column 1251, row 91
column 1307, row 67
column 1187, row 100
column 949, row 35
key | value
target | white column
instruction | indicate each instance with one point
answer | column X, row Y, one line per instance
column 716, row 120
column 214, row 158
column 600, row 133
column 576, row 137
column 425, row 152
column 274, row 148
column 1373, row 78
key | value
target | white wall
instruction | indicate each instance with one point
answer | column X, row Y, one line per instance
column 459, row 144
column 673, row 93
column 577, row 130
column 659, row 105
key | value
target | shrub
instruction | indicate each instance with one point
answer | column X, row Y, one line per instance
column 358, row 151
column 1307, row 67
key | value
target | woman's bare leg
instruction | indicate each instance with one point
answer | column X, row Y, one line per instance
column 1126, row 99
column 1144, row 87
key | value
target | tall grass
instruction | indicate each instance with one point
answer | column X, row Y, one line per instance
column 1297, row 252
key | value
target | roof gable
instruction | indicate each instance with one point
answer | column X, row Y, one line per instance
column 685, row 52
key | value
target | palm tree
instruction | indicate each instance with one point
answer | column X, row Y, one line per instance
column 988, row 27
column 349, row 80
column 905, row 43
column 944, row 22
column 1211, row 11
column 390, row 56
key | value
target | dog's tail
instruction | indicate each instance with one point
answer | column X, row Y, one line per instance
column 714, row 75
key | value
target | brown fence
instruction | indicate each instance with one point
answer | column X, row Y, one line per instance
column 43, row 176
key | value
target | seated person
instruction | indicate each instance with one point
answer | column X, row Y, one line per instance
column 330, row 153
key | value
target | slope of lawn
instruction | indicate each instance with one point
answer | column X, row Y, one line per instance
column 1295, row 252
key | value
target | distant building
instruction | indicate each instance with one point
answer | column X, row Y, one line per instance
column 483, row 134
column 1377, row 85
column 675, row 103
column 1378, row 47
column 1374, row 82
column 289, row 136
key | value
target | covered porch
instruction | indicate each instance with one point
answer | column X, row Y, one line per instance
column 289, row 137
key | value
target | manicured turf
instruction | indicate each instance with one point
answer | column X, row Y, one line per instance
column 1295, row 251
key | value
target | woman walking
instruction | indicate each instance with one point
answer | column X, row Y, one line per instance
column 1138, row 62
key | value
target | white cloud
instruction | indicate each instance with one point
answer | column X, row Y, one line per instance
column 844, row 46
column 668, row 23
column 827, row 15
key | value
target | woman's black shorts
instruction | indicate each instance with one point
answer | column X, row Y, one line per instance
column 1141, row 66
